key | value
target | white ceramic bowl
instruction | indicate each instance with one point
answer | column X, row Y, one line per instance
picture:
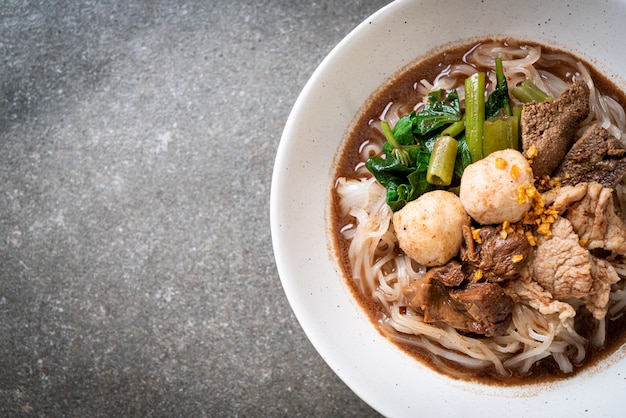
column 374, row 368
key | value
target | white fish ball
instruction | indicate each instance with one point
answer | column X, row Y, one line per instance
column 489, row 187
column 429, row 229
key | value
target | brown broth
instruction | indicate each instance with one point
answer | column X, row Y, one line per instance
column 401, row 86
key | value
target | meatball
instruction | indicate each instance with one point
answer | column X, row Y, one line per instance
column 430, row 228
column 489, row 187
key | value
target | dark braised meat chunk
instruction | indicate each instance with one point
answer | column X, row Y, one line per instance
column 433, row 299
column 487, row 304
column 552, row 126
column 431, row 286
column 596, row 157
column 499, row 258
column 479, row 308
column 450, row 274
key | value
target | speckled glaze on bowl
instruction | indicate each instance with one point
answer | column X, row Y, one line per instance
column 374, row 368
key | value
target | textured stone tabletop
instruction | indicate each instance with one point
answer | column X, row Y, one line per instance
column 137, row 141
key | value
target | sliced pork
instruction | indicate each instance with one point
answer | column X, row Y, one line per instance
column 566, row 270
column 527, row 290
column 595, row 220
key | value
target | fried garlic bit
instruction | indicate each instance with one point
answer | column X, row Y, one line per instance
column 476, row 235
column 532, row 239
column 546, row 183
column 506, row 229
column 540, row 217
column 531, row 153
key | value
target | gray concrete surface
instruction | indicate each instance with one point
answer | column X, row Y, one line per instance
column 137, row 141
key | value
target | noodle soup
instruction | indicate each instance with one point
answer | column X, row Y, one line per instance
column 542, row 332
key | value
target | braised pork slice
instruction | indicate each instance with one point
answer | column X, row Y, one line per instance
column 552, row 126
column 604, row 276
column 568, row 271
column 487, row 304
column 433, row 299
column 596, row 157
column 479, row 308
column 563, row 197
column 450, row 274
column 560, row 265
column 595, row 220
column 525, row 289
column 500, row 257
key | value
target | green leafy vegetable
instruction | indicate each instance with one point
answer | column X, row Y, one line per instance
column 402, row 167
column 403, row 183
column 403, row 131
column 399, row 153
column 499, row 99
column 454, row 129
column 501, row 127
column 441, row 109
column 463, row 157
column 528, row 92
column 475, row 114
column 442, row 161
column 500, row 133
column 431, row 148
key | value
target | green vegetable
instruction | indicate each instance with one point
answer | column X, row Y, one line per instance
column 463, row 157
column 442, row 161
column 403, row 131
column 403, row 165
column 517, row 112
column 475, row 113
column 528, row 92
column 501, row 129
column 403, row 183
column 500, row 133
column 454, row 129
column 442, row 108
column 499, row 99
column 401, row 154
column 430, row 149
